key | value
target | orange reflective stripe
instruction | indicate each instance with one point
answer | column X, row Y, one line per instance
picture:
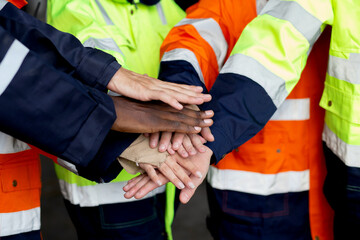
column 19, row 181
column 18, row 3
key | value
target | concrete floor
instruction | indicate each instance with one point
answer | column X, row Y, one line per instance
column 189, row 222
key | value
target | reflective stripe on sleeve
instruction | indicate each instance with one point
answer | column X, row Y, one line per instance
column 19, row 222
column 69, row 166
column 185, row 55
column 9, row 144
column 291, row 11
column 345, row 69
column 2, row 4
column 257, row 183
column 99, row 194
column 211, row 32
column 348, row 153
column 293, row 110
column 103, row 44
column 11, row 63
column 251, row 68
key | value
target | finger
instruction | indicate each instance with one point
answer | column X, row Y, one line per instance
column 131, row 192
column 146, row 135
column 164, row 141
column 197, row 142
column 182, row 152
column 150, row 170
column 132, row 182
column 177, row 140
column 170, row 150
column 186, row 194
column 188, row 145
column 188, row 165
column 179, row 172
column 207, row 135
column 169, row 174
column 154, row 139
column 149, row 186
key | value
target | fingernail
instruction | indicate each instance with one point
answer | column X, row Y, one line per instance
column 125, row 188
column 181, row 185
column 192, row 152
column 191, row 185
column 208, row 113
column 208, row 121
column 197, row 129
column 176, row 145
column 162, row 147
column 159, row 183
column 186, row 197
column 202, row 149
column 184, row 154
column 199, row 174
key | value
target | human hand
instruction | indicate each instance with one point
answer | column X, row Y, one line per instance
column 141, row 117
column 183, row 144
column 145, row 88
column 139, row 186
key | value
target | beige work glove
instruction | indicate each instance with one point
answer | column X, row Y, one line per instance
column 140, row 152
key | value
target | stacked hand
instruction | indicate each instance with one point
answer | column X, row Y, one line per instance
column 176, row 169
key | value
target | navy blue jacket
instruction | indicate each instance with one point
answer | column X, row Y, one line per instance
column 52, row 94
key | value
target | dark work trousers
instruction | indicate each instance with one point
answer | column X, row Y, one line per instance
column 33, row 235
column 243, row 216
column 342, row 190
column 135, row 220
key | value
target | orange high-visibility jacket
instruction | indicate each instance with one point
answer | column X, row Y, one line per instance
column 20, row 183
column 286, row 156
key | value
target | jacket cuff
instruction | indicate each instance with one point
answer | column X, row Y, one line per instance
column 104, row 65
column 91, row 135
column 104, row 167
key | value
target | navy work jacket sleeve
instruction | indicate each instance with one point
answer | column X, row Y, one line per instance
column 241, row 106
column 51, row 93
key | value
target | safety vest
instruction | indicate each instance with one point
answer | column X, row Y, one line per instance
column 286, row 156
column 132, row 33
column 20, row 187
column 298, row 25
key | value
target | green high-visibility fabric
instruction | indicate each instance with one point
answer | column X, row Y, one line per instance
column 278, row 42
column 132, row 33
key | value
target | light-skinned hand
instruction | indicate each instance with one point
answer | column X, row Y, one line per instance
column 145, row 88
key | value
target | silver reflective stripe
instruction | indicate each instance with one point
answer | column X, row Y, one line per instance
column 260, row 4
column 291, row 11
column 186, row 55
column 293, row 110
column 19, row 222
column 161, row 13
column 103, row 43
column 349, row 154
column 9, row 144
column 99, row 194
column 258, row 183
column 11, row 63
column 69, row 166
column 2, row 4
column 251, row 68
column 345, row 69
column 104, row 13
column 211, row 32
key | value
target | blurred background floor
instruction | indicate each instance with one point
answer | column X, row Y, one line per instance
column 189, row 222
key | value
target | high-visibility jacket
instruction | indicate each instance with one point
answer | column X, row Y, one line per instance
column 131, row 32
column 286, row 156
column 40, row 68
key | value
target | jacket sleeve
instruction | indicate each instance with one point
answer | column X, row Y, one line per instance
column 196, row 48
column 61, row 50
column 263, row 68
column 42, row 102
